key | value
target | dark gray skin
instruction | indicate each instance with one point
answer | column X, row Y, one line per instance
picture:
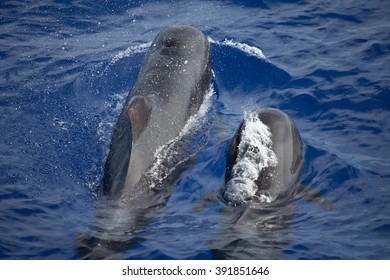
column 173, row 80
column 277, row 181
column 170, row 88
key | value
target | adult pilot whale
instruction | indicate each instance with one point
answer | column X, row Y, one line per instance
column 170, row 88
column 171, row 85
column 263, row 166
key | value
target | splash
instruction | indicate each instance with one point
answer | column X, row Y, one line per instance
column 254, row 154
column 250, row 50
column 130, row 51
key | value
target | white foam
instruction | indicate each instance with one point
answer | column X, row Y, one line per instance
column 254, row 154
column 250, row 50
column 167, row 157
column 130, row 51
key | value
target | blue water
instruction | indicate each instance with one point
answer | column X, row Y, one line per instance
column 64, row 78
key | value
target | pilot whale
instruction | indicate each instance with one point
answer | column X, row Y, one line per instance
column 170, row 88
column 171, row 85
column 263, row 165
column 264, row 158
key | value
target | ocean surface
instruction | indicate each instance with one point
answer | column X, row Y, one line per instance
column 66, row 68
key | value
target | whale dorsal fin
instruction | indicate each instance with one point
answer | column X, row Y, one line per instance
column 139, row 112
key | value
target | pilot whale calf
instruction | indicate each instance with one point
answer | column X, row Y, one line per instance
column 264, row 158
column 170, row 88
column 263, row 166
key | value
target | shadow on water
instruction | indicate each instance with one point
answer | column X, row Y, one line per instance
column 263, row 236
column 117, row 226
